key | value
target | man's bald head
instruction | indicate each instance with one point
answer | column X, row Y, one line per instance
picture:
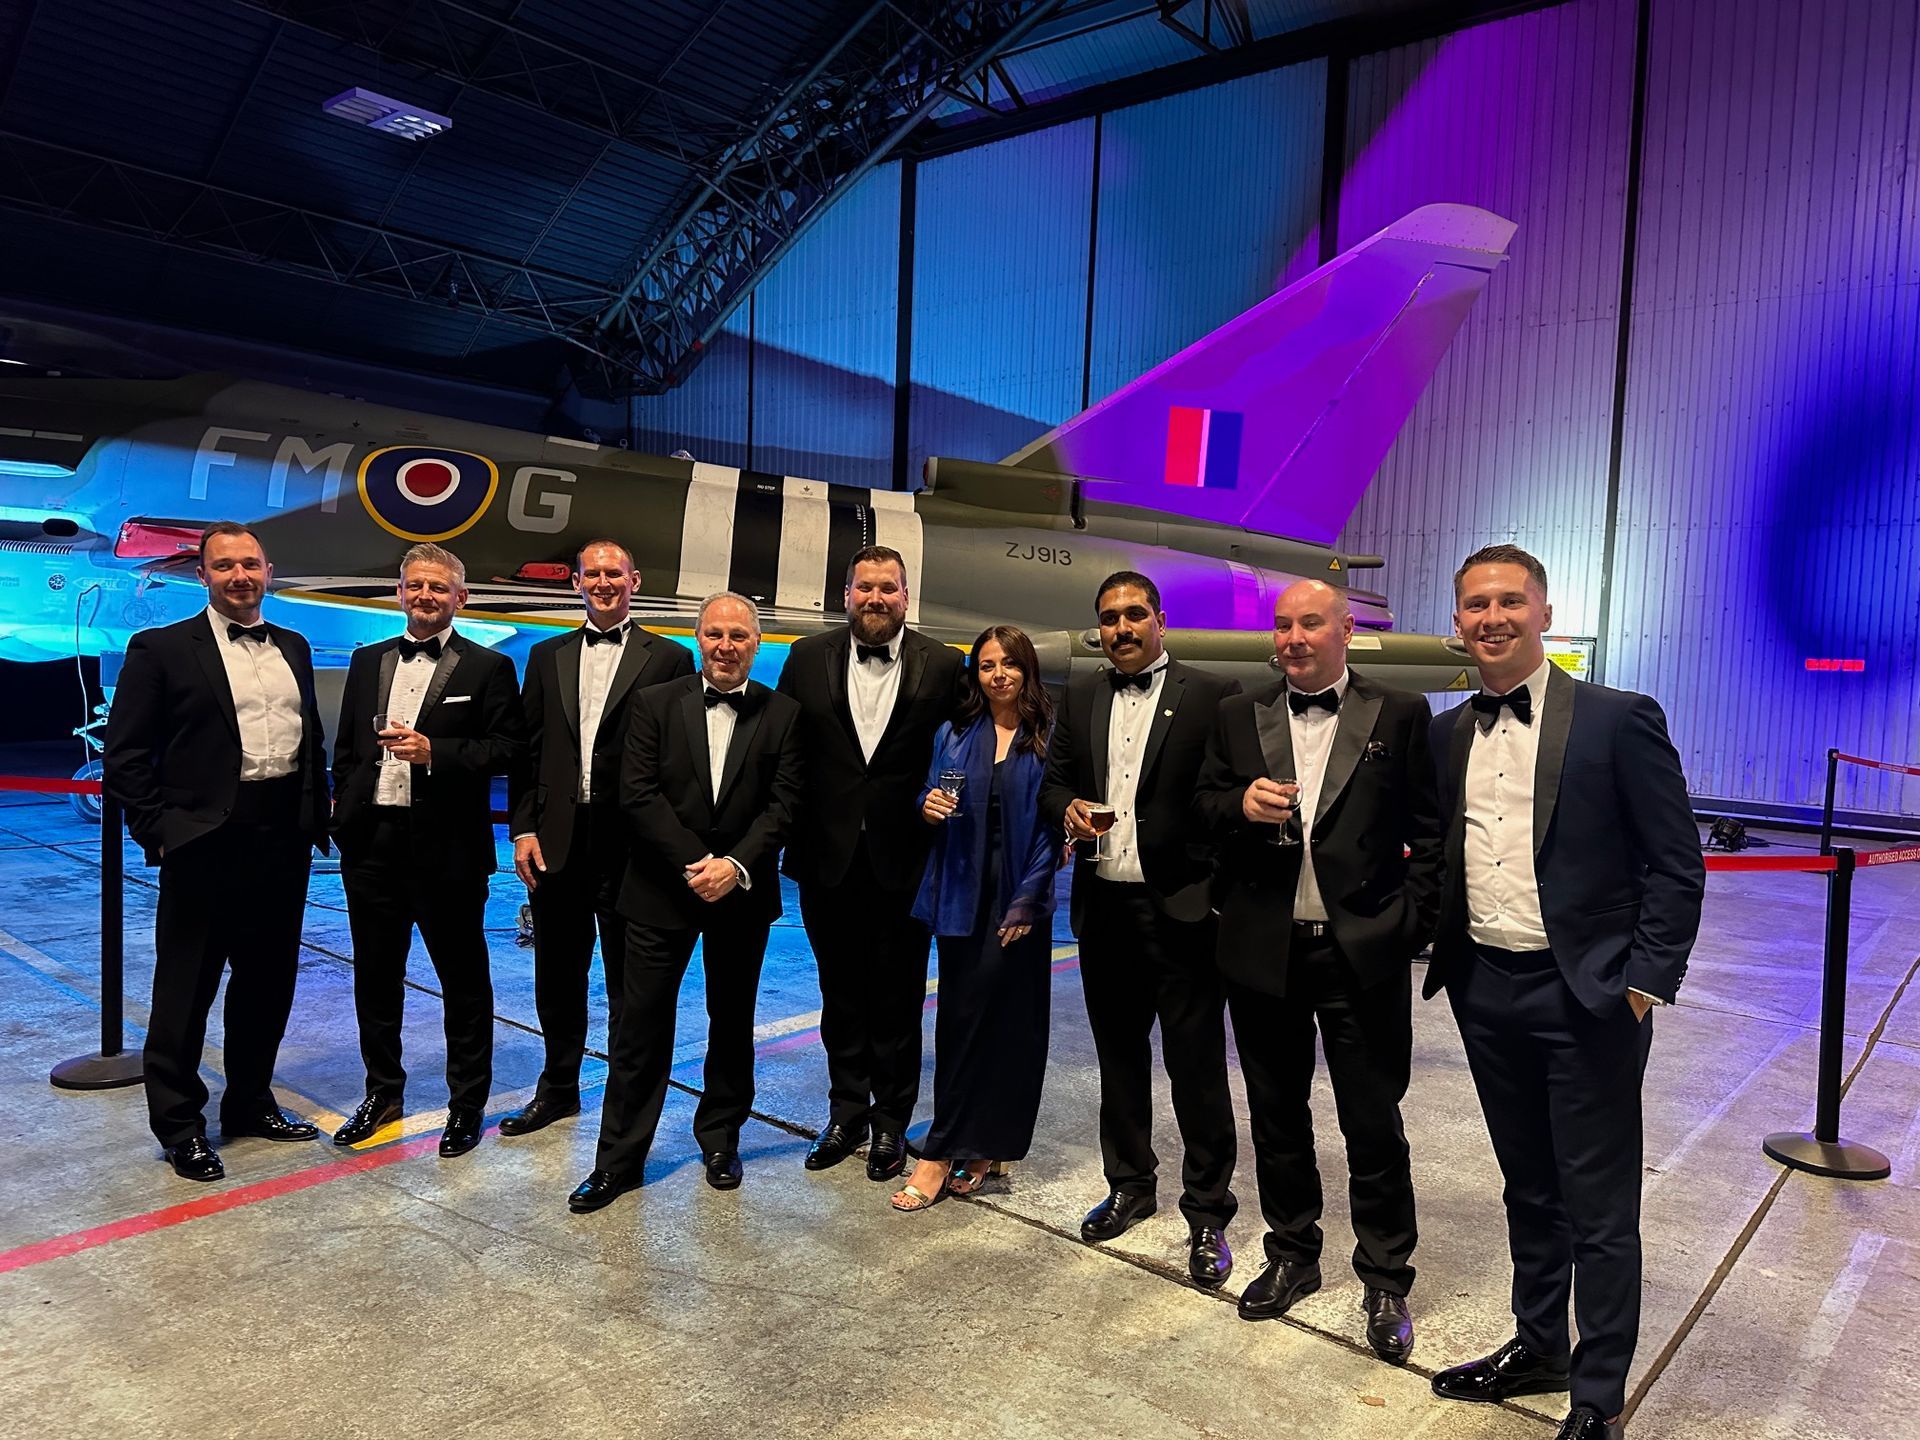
column 1312, row 627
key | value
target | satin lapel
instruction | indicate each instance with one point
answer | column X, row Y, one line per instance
column 693, row 714
column 1173, row 689
column 1459, row 752
column 1555, row 726
column 1099, row 725
column 913, row 663
column 1353, row 728
column 566, row 679
column 835, row 652
column 1270, row 722
column 745, row 727
column 635, row 652
column 450, row 656
column 215, row 670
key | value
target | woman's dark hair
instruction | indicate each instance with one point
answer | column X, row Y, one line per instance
column 1035, row 704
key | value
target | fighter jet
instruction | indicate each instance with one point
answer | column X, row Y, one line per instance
column 1226, row 473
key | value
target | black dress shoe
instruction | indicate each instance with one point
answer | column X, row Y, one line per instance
column 1586, row 1423
column 1389, row 1325
column 1272, row 1292
column 462, row 1132
column 836, row 1142
column 270, row 1124
column 599, row 1190
column 723, row 1169
column 194, row 1160
column 1116, row 1215
column 538, row 1113
column 887, row 1156
column 1209, row 1261
column 375, row 1113
column 1511, row 1370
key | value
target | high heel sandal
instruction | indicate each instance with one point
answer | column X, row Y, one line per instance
column 910, row 1198
column 968, row 1176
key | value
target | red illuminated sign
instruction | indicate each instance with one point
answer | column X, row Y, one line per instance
column 1850, row 667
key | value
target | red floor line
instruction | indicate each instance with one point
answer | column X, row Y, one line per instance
column 217, row 1203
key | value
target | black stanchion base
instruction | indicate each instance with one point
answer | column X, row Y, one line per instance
column 98, row 1072
column 1841, row 1160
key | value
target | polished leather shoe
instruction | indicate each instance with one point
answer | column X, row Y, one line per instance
column 462, row 1132
column 1511, row 1370
column 599, row 1190
column 723, row 1169
column 1116, row 1215
column 1389, row 1325
column 1209, row 1261
column 1272, row 1292
column 538, row 1113
column 194, row 1160
column 270, row 1124
column 836, row 1142
column 375, row 1113
column 1588, row 1424
column 887, row 1155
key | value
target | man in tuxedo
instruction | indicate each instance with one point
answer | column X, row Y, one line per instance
column 569, row 843
column 708, row 788
column 871, row 696
column 414, row 823
column 1322, row 932
column 1132, row 737
column 214, row 750
column 1572, row 898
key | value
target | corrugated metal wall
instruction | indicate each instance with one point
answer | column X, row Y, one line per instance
column 1529, row 118
column 1770, row 511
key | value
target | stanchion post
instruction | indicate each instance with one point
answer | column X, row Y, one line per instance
column 1823, row 1152
column 114, row 1066
column 1826, row 810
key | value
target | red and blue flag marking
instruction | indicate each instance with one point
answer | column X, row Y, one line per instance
column 1203, row 447
column 423, row 492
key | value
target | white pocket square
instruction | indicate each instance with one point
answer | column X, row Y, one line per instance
column 455, row 699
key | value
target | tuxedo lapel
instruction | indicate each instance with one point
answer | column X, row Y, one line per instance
column 913, row 664
column 1270, row 723
column 835, row 654
column 206, row 652
column 635, row 651
column 1459, row 752
column 1098, row 726
column 1358, row 714
column 693, row 715
column 566, row 679
column 1555, row 726
column 745, row 727
column 1172, row 690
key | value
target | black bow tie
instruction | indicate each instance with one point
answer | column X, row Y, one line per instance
column 1488, row 706
column 247, row 632
column 604, row 637
column 428, row 648
column 1120, row 680
column 1327, row 700
column 881, row 653
column 733, row 699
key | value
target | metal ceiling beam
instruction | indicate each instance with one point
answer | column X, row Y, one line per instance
column 1224, row 24
column 894, row 67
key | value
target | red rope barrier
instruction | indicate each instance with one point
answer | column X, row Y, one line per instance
column 1892, row 856
column 1893, row 765
column 38, row 785
column 1801, row 864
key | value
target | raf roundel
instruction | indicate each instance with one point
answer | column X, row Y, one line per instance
column 421, row 492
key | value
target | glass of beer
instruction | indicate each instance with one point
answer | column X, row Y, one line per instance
column 952, row 782
column 1288, row 831
column 1100, row 818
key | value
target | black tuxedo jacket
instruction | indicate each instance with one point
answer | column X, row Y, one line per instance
column 543, row 791
column 1175, row 854
column 172, row 759
column 1616, row 852
column 674, row 818
column 846, row 792
column 1376, row 834
column 470, row 713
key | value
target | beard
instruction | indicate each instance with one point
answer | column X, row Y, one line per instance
column 875, row 627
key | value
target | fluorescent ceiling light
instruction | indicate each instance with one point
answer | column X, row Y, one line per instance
column 384, row 113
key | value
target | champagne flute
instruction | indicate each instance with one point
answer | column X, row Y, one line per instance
column 952, row 782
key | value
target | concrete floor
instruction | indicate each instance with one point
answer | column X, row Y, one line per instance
column 387, row 1293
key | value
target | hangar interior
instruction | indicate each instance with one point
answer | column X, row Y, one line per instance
column 666, row 226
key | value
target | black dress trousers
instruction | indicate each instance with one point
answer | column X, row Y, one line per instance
column 568, row 905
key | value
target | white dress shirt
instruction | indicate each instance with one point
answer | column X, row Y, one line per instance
column 1503, row 893
column 721, row 720
column 1127, row 730
column 872, row 689
column 1313, row 734
column 266, row 702
column 597, row 665
column 410, row 680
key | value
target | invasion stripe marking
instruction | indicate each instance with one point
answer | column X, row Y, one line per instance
column 754, row 566
column 849, row 528
column 706, row 530
column 805, row 543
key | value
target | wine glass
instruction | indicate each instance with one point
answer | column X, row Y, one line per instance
column 380, row 722
column 1100, row 818
column 1286, row 832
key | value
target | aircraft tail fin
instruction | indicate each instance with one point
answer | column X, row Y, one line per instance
column 1278, row 419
